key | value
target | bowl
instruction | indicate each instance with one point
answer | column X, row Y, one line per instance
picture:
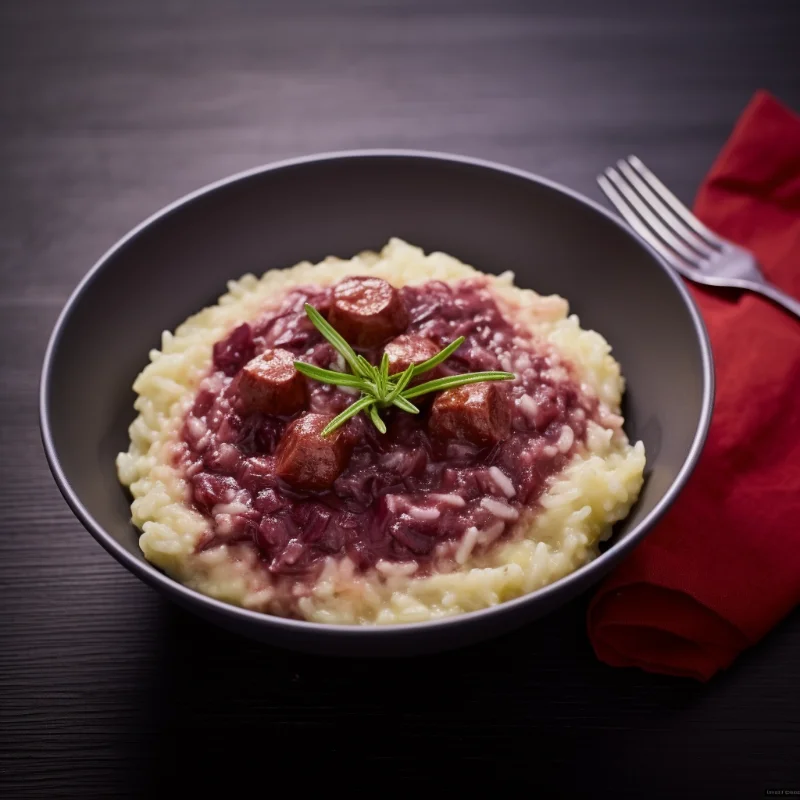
column 491, row 216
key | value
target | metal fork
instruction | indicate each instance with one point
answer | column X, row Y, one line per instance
column 679, row 237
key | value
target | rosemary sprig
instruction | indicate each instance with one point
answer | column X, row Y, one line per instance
column 441, row 384
column 378, row 388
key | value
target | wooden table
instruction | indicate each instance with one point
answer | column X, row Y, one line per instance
column 110, row 110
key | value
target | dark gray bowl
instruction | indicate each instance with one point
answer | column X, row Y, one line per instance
column 491, row 216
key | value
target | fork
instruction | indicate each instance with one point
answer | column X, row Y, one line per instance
column 687, row 245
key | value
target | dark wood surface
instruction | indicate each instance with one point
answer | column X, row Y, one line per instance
column 109, row 110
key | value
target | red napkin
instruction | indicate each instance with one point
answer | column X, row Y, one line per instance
column 723, row 567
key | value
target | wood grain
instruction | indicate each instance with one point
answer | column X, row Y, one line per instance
column 108, row 110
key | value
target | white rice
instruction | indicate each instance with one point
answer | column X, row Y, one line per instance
column 502, row 481
column 500, row 509
column 454, row 500
column 465, row 547
column 565, row 440
column 490, row 534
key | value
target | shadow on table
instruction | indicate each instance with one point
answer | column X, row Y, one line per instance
column 532, row 703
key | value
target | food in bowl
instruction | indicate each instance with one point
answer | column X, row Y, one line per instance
column 375, row 498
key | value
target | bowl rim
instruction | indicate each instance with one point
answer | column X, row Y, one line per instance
column 160, row 580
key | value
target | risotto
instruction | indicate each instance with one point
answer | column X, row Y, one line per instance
column 450, row 501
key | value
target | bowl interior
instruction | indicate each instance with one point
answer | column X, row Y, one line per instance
column 495, row 220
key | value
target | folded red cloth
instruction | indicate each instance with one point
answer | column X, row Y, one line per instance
column 723, row 567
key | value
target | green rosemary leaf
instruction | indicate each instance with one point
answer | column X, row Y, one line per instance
column 366, row 368
column 350, row 411
column 441, row 384
column 442, row 355
column 372, row 388
column 401, row 384
column 329, row 375
column 404, row 405
column 376, row 419
column 384, row 370
column 330, row 333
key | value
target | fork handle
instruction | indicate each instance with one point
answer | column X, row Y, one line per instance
column 779, row 297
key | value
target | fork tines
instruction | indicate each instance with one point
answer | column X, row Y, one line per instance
column 658, row 216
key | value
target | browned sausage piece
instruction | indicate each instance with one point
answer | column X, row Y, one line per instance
column 307, row 460
column 367, row 311
column 410, row 349
column 478, row 412
column 269, row 383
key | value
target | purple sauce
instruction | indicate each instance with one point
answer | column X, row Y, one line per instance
column 403, row 497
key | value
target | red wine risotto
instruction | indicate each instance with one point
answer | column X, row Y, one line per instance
column 267, row 471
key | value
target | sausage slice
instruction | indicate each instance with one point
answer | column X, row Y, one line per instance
column 367, row 311
column 411, row 349
column 479, row 413
column 307, row 460
column 269, row 383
